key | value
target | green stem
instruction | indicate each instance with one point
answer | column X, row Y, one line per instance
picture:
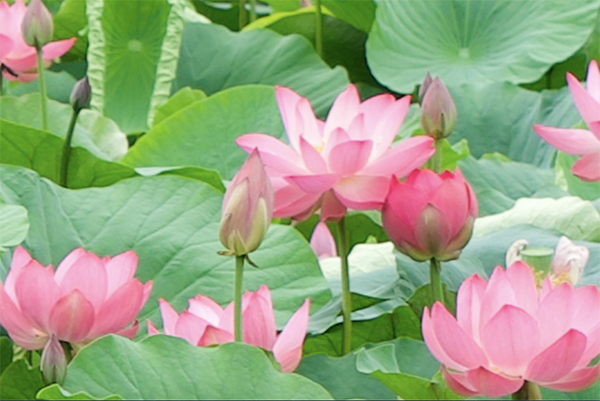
column 42, row 85
column 529, row 391
column 243, row 15
column 66, row 153
column 239, row 275
column 318, row 28
column 346, row 298
column 437, row 157
column 435, row 268
column 1, row 83
column 252, row 10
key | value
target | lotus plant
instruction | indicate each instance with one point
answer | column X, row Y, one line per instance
column 85, row 298
column 509, row 337
column 206, row 323
column 580, row 141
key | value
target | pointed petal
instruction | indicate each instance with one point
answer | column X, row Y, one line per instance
column 169, row 317
column 431, row 340
column 522, row 280
column 497, row 294
column 468, row 305
column 586, row 309
column 129, row 332
column 491, row 384
column 190, row 327
column 288, row 347
column 511, row 339
column 577, row 380
column 207, row 309
column 67, row 263
column 56, row 49
column 120, row 269
column 296, row 113
column 312, row 158
column 314, row 184
column 152, row 330
column 593, row 80
column 291, row 201
column 457, row 382
column 390, row 121
column 349, row 157
column 322, row 242
column 331, row 207
column 88, row 275
column 259, row 320
column 119, row 310
column 36, row 293
column 588, row 167
column 72, row 317
column 343, row 111
column 279, row 157
column 554, row 314
column 20, row 259
column 373, row 109
column 362, row 192
column 588, row 107
column 214, row 336
column 569, row 140
column 402, row 159
column 558, row 360
column 19, row 328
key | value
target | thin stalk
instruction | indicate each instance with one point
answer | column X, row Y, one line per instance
column 346, row 298
column 529, row 391
column 252, row 10
column 42, row 85
column 66, row 153
column 435, row 269
column 318, row 28
column 437, row 157
column 243, row 18
column 1, row 82
column 239, row 275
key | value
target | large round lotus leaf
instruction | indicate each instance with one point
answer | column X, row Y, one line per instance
column 166, row 368
column 474, row 40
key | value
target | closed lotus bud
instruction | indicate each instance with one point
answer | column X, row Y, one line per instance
column 53, row 363
column 80, row 95
column 424, row 86
column 438, row 111
column 430, row 215
column 37, row 26
column 247, row 208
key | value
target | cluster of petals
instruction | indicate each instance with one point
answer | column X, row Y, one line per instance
column 344, row 162
column 87, row 297
column 17, row 55
column 206, row 323
column 506, row 332
column 580, row 141
column 430, row 215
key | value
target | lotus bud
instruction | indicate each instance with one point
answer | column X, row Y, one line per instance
column 424, row 86
column 80, row 95
column 569, row 261
column 247, row 208
column 514, row 251
column 53, row 363
column 37, row 26
column 438, row 111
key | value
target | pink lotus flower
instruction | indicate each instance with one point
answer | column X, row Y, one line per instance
column 344, row 162
column 506, row 332
column 87, row 297
column 205, row 323
column 322, row 242
column 17, row 55
column 430, row 215
column 579, row 141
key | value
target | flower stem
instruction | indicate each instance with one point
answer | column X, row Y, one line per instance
column 437, row 156
column 318, row 28
column 346, row 298
column 42, row 85
column 243, row 18
column 529, row 391
column 239, row 275
column 252, row 10
column 66, row 153
column 435, row 268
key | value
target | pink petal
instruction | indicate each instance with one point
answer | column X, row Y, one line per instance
column 88, row 275
column 468, row 305
column 129, row 332
column 593, row 80
column 72, row 317
column 588, row 106
column 588, row 167
column 56, row 49
column 119, row 309
column 349, row 157
column 190, row 327
column 357, row 131
column 388, row 125
column 592, row 348
column 372, row 110
column 279, row 157
column 312, row 158
column 457, row 382
column 67, row 263
column 291, row 201
column 491, row 384
column 169, row 317
column 569, row 140
column 521, row 278
column 432, row 230
column 322, row 242
column 399, row 215
column 497, row 294
column 555, row 314
column 120, row 270
column 511, row 339
column 314, row 184
column 331, row 207
column 37, row 293
column 458, row 345
column 557, row 360
column 362, row 192
column 288, row 347
column 20, row 259
column 585, row 310
column 214, row 336
column 297, row 115
column 343, row 111
column 403, row 158
column 577, row 380
column 259, row 320
column 6, row 46
column 25, row 61
column 19, row 328
column 431, row 340
column 451, row 199
column 337, row 136
column 205, row 308
column 152, row 330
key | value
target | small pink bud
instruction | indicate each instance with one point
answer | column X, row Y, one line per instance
column 438, row 111
column 80, row 95
column 53, row 363
column 247, row 208
column 424, row 86
column 37, row 26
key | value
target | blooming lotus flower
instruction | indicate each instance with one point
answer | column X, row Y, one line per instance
column 430, row 215
column 344, row 162
column 206, row 323
column 86, row 297
column 15, row 54
column 322, row 242
column 579, row 141
column 505, row 332
column 247, row 208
